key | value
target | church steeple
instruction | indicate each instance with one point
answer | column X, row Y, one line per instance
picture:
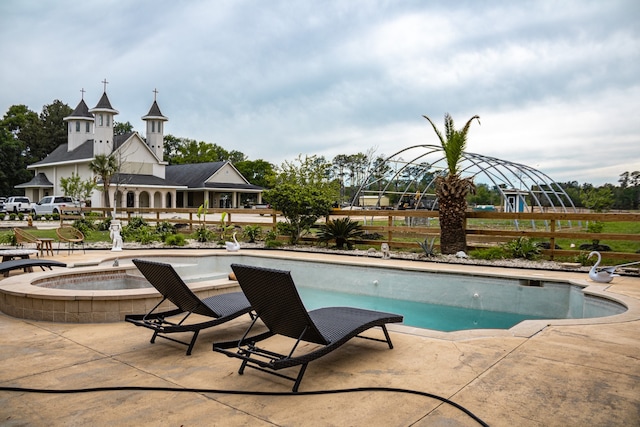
column 104, row 113
column 80, row 125
column 155, row 128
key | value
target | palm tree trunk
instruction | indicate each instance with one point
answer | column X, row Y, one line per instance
column 452, row 192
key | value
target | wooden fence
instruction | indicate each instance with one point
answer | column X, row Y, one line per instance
column 404, row 228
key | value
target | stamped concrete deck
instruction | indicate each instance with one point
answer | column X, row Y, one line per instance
column 569, row 374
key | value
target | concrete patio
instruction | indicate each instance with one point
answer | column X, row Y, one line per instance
column 574, row 373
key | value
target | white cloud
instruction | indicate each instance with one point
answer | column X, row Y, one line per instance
column 556, row 84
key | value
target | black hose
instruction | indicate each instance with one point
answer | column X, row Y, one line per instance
column 248, row 393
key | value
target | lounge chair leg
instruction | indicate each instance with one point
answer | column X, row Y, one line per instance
column 386, row 335
column 191, row 344
column 153, row 338
column 299, row 378
column 242, row 366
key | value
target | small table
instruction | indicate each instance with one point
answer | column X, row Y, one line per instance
column 46, row 247
column 9, row 254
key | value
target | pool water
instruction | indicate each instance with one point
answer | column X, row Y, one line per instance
column 420, row 315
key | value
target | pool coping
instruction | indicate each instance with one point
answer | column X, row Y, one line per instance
column 20, row 286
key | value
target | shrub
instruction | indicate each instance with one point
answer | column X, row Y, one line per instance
column 342, row 230
column 522, row 247
column 166, row 229
column 203, row 234
column 252, row 232
column 174, row 240
column 137, row 222
column 137, row 230
column 8, row 238
column 271, row 239
column 84, row 225
column 428, row 246
column 105, row 225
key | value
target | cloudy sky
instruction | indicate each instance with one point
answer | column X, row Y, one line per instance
column 556, row 83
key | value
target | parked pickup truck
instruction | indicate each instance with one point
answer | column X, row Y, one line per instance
column 17, row 204
column 53, row 205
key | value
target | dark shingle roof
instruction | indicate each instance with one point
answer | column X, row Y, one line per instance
column 134, row 179
column 192, row 175
column 40, row 180
column 104, row 102
column 83, row 152
column 81, row 111
column 154, row 112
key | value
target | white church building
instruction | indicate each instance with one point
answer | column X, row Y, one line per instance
column 143, row 179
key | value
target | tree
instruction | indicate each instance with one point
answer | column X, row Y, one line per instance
column 76, row 188
column 54, row 129
column 303, row 194
column 12, row 168
column 598, row 200
column 104, row 167
column 190, row 151
column 452, row 189
column 171, row 146
column 257, row 172
column 19, row 128
column 122, row 128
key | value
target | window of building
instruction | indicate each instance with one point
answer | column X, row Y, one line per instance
column 78, row 126
column 153, row 126
column 100, row 120
column 88, row 127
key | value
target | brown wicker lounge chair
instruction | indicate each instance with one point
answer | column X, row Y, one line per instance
column 71, row 236
column 218, row 308
column 273, row 296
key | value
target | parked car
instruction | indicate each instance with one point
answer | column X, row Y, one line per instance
column 17, row 204
column 2, row 200
column 53, row 205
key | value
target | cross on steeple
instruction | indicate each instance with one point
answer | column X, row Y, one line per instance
column 83, row 91
column 105, row 83
column 155, row 94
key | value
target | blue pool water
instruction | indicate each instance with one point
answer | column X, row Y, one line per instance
column 421, row 315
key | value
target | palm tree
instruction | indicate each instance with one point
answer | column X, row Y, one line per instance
column 105, row 167
column 451, row 189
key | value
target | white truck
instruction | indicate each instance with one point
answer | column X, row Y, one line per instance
column 54, row 205
column 17, row 204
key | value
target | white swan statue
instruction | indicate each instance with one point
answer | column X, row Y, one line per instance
column 601, row 274
column 233, row 246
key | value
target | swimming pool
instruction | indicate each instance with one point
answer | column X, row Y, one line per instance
column 473, row 297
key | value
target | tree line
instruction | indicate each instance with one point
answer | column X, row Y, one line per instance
column 27, row 137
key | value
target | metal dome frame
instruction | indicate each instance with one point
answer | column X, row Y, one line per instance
column 503, row 174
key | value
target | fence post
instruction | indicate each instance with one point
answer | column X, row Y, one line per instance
column 552, row 240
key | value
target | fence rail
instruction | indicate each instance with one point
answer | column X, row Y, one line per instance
column 403, row 228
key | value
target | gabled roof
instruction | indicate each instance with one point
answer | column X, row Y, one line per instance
column 40, row 180
column 196, row 175
column 83, row 152
column 193, row 175
column 146, row 180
